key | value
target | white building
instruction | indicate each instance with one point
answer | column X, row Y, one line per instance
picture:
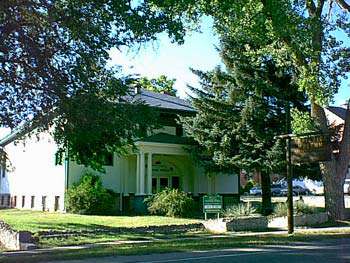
column 36, row 182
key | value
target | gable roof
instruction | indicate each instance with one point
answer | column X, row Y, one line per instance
column 163, row 101
column 339, row 111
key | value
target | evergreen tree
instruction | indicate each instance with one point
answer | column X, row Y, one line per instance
column 240, row 111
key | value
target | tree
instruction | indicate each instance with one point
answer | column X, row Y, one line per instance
column 53, row 57
column 160, row 85
column 305, row 35
column 239, row 112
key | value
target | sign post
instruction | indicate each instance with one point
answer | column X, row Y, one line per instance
column 212, row 204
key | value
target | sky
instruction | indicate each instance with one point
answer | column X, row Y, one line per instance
column 173, row 60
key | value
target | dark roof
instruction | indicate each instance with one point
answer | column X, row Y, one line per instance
column 339, row 111
column 163, row 101
column 153, row 99
column 167, row 138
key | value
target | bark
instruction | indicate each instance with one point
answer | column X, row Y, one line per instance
column 266, row 193
column 335, row 170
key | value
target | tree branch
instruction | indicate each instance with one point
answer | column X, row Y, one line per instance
column 343, row 5
column 310, row 5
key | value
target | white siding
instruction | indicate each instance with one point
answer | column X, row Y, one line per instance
column 34, row 172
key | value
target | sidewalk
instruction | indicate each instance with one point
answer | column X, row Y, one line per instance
column 228, row 235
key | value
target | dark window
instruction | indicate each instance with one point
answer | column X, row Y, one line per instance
column 179, row 131
column 154, row 185
column 15, row 201
column 175, row 182
column 32, row 201
column 57, row 203
column 8, row 201
column 43, row 202
column 163, row 183
column 23, row 201
column 108, row 159
column 2, row 200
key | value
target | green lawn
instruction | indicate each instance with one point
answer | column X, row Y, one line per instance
column 36, row 221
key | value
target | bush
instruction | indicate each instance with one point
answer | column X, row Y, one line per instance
column 300, row 208
column 249, row 185
column 89, row 197
column 170, row 202
column 240, row 210
column 281, row 209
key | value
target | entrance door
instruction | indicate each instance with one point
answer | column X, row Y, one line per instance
column 163, row 183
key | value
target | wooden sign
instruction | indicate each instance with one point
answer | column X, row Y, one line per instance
column 310, row 149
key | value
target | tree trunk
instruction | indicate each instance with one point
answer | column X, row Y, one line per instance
column 266, row 208
column 334, row 190
column 334, row 171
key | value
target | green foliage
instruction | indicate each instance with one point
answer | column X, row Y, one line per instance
column 161, row 85
column 281, row 209
column 302, row 122
column 171, row 202
column 249, row 185
column 300, row 208
column 89, row 197
column 240, row 210
column 59, row 65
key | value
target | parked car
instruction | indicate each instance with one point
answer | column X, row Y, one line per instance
column 255, row 191
column 297, row 190
column 347, row 186
column 276, row 189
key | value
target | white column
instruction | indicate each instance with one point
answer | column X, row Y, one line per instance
column 142, row 173
column 138, row 174
column 149, row 173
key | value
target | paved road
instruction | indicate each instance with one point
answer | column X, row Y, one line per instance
column 331, row 251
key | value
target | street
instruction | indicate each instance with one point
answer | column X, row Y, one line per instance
column 329, row 251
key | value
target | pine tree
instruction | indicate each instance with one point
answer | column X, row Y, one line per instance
column 240, row 111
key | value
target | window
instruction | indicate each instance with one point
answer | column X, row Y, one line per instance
column 23, row 201
column 2, row 200
column 43, row 202
column 108, row 159
column 32, row 201
column 163, row 183
column 57, row 203
column 175, row 182
column 2, row 171
column 8, row 201
column 179, row 131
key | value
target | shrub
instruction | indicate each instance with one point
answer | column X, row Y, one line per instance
column 249, row 185
column 89, row 197
column 300, row 208
column 170, row 202
column 240, row 210
column 281, row 209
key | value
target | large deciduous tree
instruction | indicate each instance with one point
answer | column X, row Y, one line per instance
column 53, row 57
column 313, row 37
column 160, row 85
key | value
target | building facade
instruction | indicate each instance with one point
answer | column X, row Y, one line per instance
column 161, row 160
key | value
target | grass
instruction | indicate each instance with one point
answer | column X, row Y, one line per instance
column 88, row 229
column 36, row 221
column 178, row 246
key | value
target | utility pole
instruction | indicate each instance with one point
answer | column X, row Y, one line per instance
column 289, row 171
